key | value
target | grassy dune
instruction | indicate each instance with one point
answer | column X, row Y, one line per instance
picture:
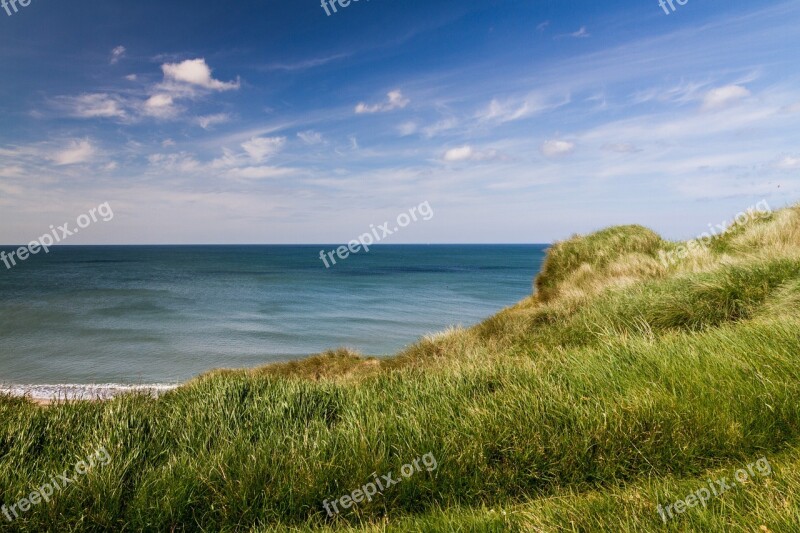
column 623, row 383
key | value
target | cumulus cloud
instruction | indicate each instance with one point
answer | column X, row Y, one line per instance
column 160, row 106
column 467, row 153
column 260, row 148
column 394, row 100
column 183, row 81
column 117, row 54
column 724, row 96
column 196, row 72
column 557, row 148
column 78, row 151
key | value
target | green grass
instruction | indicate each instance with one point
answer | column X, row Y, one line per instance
column 622, row 384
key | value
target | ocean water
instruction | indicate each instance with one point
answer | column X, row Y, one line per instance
column 138, row 315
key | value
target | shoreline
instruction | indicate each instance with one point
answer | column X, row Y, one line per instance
column 46, row 394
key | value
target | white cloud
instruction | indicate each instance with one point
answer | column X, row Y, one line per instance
column 131, row 77
column 516, row 109
column 443, row 125
column 78, row 151
column 117, row 54
column 306, row 64
column 160, row 106
column 260, row 172
column 556, row 148
column 310, row 137
column 94, row 105
column 166, row 143
column 506, row 112
column 724, row 96
column 407, row 128
column 395, row 100
column 468, row 153
column 580, row 33
column 196, row 72
column 788, row 163
column 208, row 121
column 181, row 162
column 681, row 93
column 260, row 148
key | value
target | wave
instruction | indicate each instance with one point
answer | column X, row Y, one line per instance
column 62, row 392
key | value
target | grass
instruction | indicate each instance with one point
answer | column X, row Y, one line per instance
column 622, row 383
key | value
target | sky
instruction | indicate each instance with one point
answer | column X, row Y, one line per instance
column 274, row 121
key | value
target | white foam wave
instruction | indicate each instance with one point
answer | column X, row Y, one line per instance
column 105, row 391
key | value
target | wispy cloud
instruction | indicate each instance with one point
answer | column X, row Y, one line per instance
column 468, row 153
column 407, row 128
column 788, row 162
column 441, row 126
column 724, row 96
column 557, row 148
column 520, row 108
column 306, row 64
column 117, row 54
column 394, row 100
column 209, row 121
column 181, row 162
column 78, row 151
column 92, row 105
column 260, row 172
column 310, row 137
column 261, row 148
column 581, row 33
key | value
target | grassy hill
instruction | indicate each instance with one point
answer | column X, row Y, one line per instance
column 633, row 377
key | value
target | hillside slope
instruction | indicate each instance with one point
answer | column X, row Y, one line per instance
column 632, row 377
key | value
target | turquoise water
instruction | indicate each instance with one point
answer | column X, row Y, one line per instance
column 162, row 314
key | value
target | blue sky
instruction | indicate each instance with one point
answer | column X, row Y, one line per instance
column 271, row 122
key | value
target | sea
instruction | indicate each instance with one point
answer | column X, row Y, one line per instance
column 95, row 320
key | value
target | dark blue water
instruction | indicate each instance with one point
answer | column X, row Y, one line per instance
column 159, row 314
